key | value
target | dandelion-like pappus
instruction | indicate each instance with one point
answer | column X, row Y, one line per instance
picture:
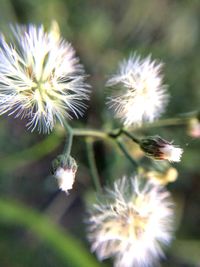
column 41, row 79
column 132, row 224
column 141, row 95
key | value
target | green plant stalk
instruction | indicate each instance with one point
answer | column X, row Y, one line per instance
column 92, row 164
column 90, row 133
column 70, row 250
column 131, row 136
column 125, row 152
column 69, row 140
column 181, row 119
column 165, row 123
column 43, row 148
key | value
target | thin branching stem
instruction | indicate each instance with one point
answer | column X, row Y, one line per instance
column 126, row 153
column 166, row 123
column 69, row 140
column 113, row 135
column 131, row 136
column 92, row 164
column 181, row 119
column 90, row 133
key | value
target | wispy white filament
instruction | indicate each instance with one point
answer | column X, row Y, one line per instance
column 65, row 178
column 140, row 95
column 40, row 78
column 171, row 153
column 132, row 224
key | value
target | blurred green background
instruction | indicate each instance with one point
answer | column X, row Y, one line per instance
column 103, row 33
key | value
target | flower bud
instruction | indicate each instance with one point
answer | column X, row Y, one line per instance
column 160, row 149
column 64, row 170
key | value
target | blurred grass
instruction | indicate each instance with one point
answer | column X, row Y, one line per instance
column 67, row 247
column 34, row 153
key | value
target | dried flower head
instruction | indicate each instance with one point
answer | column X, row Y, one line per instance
column 132, row 225
column 40, row 77
column 64, row 170
column 160, row 149
column 141, row 95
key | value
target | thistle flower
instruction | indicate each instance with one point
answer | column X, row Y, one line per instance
column 40, row 77
column 64, row 170
column 132, row 225
column 141, row 95
column 160, row 149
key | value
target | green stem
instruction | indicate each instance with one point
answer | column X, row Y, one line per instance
column 115, row 133
column 126, row 153
column 37, row 152
column 90, row 133
column 92, row 164
column 181, row 119
column 67, row 126
column 69, row 140
column 131, row 136
column 166, row 122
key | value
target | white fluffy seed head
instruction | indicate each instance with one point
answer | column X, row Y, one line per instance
column 132, row 224
column 141, row 95
column 41, row 79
